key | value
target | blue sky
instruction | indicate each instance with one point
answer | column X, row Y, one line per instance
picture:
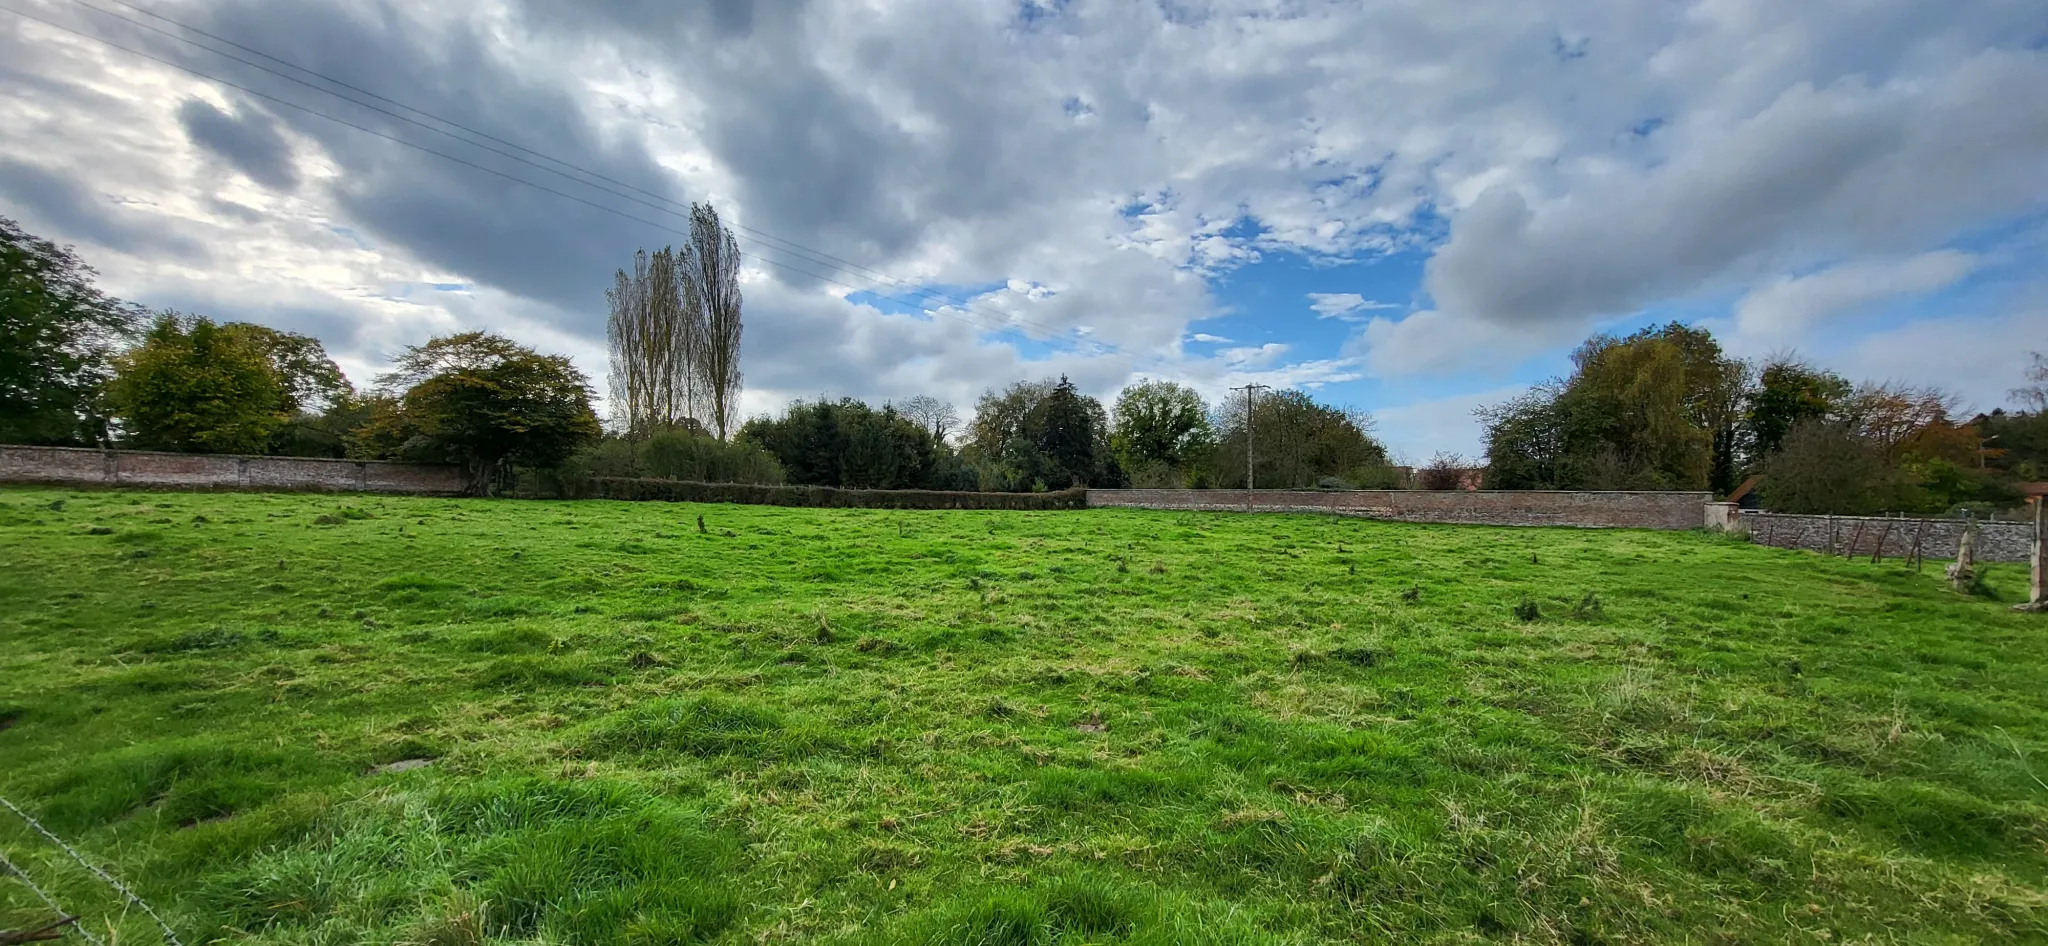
column 1415, row 209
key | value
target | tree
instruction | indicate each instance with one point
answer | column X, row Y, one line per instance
column 319, row 403
column 325, row 433
column 1532, row 442
column 58, row 338
column 1826, row 467
column 1788, row 391
column 194, row 386
column 676, row 454
column 656, row 341
column 485, row 401
column 2034, row 394
column 1063, row 430
column 1042, row 434
column 848, row 443
column 934, row 415
column 1161, row 428
column 1654, row 410
column 312, row 381
column 710, row 264
column 1297, row 442
column 674, row 331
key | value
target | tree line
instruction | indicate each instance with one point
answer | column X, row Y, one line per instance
column 79, row 367
column 1663, row 408
column 1666, row 408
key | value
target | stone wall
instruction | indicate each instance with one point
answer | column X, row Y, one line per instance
column 1895, row 537
column 70, row 466
column 1627, row 510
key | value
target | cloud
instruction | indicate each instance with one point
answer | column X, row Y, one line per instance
column 1208, row 339
column 1433, row 342
column 1819, row 171
column 1981, row 358
column 1418, row 430
column 1253, row 357
column 1344, row 305
column 248, row 141
column 64, row 206
column 1115, row 159
column 1786, row 308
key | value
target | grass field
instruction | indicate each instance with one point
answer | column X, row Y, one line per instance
column 974, row 727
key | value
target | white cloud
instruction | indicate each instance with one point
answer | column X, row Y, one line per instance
column 1416, row 431
column 1254, row 357
column 1432, row 342
column 1208, row 339
column 933, row 141
column 1344, row 305
column 1820, row 171
column 1978, row 358
column 1786, row 308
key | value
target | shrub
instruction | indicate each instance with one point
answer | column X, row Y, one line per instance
column 1446, row 471
column 675, row 455
column 601, row 487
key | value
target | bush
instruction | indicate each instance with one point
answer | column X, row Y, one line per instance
column 1377, row 476
column 675, row 455
column 679, row 491
column 680, row 455
column 1446, row 471
column 1825, row 467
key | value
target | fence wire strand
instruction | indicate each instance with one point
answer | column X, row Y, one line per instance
column 170, row 936
column 48, row 901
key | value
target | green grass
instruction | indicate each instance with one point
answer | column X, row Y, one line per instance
column 1001, row 728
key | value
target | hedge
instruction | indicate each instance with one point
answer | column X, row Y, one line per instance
column 677, row 491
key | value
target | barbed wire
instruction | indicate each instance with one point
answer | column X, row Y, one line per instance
column 170, row 936
column 47, row 899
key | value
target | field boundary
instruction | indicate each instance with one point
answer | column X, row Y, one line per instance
column 150, row 469
column 1887, row 536
column 1589, row 510
column 814, row 496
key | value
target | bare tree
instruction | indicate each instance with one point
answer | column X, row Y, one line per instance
column 654, row 340
column 710, row 281
column 674, row 332
column 934, row 415
column 2035, row 394
column 1446, row 471
column 626, row 332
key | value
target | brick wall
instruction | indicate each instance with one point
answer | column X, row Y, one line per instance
column 1865, row 535
column 144, row 468
column 1633, row 510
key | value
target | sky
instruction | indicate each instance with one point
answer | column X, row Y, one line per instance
column 1417, row 209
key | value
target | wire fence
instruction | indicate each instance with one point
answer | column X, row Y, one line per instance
column 128, row 896
column 48, row 900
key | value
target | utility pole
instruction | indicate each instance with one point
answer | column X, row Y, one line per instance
column 1248, row 390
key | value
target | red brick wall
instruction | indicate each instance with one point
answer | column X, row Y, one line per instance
column 71, row 465
column 1631, row 510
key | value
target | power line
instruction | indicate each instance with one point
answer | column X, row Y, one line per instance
column 471, row 164
column 760, row 237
